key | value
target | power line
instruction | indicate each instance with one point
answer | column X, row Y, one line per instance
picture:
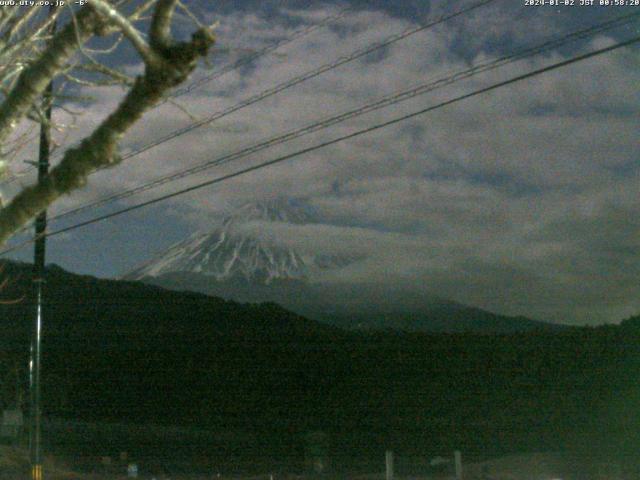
column 389, row 40
column 370, row 129
column 379, row 104
column 246, row 60
column 359, row 53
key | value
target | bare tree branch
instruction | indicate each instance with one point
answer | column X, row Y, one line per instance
column 118, row 78
column 161, row 24
column 35, row 78
column 127, row 28
column 169, row 65
column 4, row 283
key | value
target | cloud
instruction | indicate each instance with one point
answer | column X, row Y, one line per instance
column 521, row 200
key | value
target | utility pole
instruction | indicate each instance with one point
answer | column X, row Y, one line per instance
column 35, row 414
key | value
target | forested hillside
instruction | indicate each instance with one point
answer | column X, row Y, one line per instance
column 124, row 351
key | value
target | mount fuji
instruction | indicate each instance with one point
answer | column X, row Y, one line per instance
column 227, row 254
column 238, row 260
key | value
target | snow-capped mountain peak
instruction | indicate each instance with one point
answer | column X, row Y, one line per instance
column 230, row 251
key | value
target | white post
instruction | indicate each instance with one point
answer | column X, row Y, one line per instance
column 389, row 462
column 132, row 470
column 457, row 456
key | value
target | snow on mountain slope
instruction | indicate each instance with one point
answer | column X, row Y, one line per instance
column 231, row 252
column 241, row 259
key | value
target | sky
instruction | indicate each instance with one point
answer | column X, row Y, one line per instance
column 522, row 201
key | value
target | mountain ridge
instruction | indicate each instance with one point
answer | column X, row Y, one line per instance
column 124, row 351
column 236, row 260
column 228, row 252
